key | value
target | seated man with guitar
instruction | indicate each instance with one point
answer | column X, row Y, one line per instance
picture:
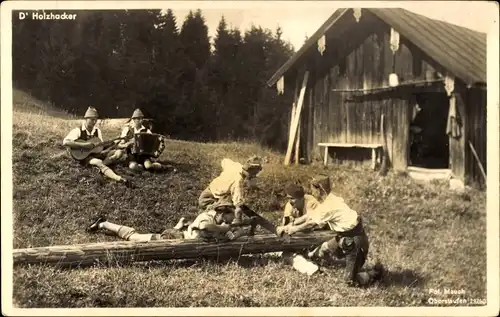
column 154, row 141
column 210, row 225
column 85, row 144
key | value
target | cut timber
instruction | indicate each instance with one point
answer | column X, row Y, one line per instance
column 296, row 118
column 428, row 174
column 130, row 251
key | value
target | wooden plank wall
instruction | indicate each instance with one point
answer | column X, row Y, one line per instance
column 363, row 59
column 476, row 115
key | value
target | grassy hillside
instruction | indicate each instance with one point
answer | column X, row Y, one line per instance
column 427, row 236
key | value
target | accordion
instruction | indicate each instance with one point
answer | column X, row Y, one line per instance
column 148, row 144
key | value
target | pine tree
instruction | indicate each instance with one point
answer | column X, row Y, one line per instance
column 195, row 108
column 164, row 93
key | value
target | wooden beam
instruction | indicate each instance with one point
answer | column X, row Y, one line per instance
column 295, row 122
column 297, row 138
column 361, row 145
column 292, row 119
column 294, row 106
column 478, row 161
column 297, row 144
column 130, row 251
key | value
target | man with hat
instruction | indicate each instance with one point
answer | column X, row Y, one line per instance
column 299, row 203
column 351, row 240
column 212, row 224
column 136, row 162
column 78, row 138
column 231, row 185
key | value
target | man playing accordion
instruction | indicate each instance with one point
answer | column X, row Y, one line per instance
column 136, row 160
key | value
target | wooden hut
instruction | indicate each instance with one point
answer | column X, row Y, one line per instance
column 426, row 78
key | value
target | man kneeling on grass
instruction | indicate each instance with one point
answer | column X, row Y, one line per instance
column 351, row 240
column 231, row 185
column 210, row 225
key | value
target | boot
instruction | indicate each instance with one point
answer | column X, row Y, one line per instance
column 95, row 225
column 379, row 271
column 127, row 182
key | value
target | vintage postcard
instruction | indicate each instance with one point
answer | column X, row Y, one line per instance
column 298, row 158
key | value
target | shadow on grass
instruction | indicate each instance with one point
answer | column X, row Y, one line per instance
column 405, row 278
column 243, row 261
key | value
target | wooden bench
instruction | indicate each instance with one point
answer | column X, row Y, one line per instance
column 374, row 148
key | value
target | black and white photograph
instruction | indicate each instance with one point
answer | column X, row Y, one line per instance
column 250, row 158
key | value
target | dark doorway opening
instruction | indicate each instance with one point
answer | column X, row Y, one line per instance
column 429, row 144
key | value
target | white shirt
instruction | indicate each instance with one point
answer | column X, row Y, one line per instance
column 127, row 128
column 229, row 182
column 335, row 212
column 193, row 230
column 207, row 217
column 76, row 133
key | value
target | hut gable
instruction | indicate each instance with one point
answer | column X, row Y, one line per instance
column 461, row 51
column 388, row 78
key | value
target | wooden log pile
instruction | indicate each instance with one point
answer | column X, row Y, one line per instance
column 80, row 255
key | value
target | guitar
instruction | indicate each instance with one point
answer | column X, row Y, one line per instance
column 81, row 154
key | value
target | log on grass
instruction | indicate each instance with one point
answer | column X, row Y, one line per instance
column 130, row 251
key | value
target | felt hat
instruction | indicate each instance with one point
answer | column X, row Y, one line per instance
column 222, row 205
column 91, row 113
column 137, row 114
column 321, row 182
column 253, row 165
column 295, row 191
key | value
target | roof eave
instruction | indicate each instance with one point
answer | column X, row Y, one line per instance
column 337, row 14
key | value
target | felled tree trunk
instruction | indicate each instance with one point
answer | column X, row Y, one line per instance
column 129, row 251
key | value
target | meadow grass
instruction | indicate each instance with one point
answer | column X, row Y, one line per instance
column 426, row 235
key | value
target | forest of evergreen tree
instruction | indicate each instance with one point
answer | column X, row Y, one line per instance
column 119, row 60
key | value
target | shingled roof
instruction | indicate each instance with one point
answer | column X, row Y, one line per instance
column 459, row 50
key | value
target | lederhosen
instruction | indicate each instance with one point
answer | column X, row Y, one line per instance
column 353, row 245
column 206, row 199
column 85, row 136
column 139, row 159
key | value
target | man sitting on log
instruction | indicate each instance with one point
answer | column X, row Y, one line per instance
column 212, row 224
column 231, row 184
column 79, row 138
column 136, row 161
column 351, row 240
